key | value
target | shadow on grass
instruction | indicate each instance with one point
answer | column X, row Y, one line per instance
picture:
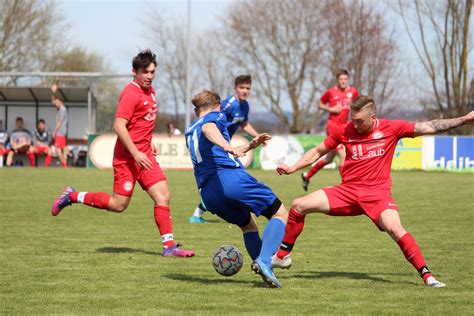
column 126, row 250
column 209, row 281
column 349, row 275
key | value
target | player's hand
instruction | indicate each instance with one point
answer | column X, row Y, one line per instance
column 142, row 160
column 336, row 109
column 284, row 169
column 154, row 150
column 54, row 88
column 260, row 139
column 234, row 151
column 469, row 117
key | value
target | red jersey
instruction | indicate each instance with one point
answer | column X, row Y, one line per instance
column 369, row 156
column 335, row 96
column 139, row 107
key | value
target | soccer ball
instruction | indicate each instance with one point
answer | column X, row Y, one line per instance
column 227, row 260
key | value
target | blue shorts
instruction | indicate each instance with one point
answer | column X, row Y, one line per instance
column 232, row 194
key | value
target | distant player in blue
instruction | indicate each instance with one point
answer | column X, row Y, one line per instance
column 236, row 110
column 228, row 190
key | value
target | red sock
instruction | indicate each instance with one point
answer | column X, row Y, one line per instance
column 95, row 199
column 31, row 159
column 63, row 164
column 163, row 221
column 318, row 166
column 413, row 254
column 293, row 229
column 340, row 170
column 47, row 160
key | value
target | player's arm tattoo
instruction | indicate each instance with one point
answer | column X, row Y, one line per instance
column 438, row 126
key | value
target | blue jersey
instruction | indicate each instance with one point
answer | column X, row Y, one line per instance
column 207, row 158
column 236, row 113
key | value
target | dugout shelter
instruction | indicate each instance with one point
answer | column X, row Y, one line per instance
column 33, row 103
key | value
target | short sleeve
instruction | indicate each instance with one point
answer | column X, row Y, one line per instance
column 226, row 108
column 127, row 103
column 325, row 97
column 403, row 128
column 217, row 118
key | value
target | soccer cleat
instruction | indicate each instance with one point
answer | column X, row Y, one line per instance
column 196, row 220
column 305, row 182
column 284, row 263
column 176, row 251
column 266, row 272
column 432, row 282
column 62, row 201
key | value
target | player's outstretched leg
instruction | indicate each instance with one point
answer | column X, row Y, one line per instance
column 293, row 229
column 389, row 221
column 271, row 239
column 98, row 200
column 314, row 202
column 197, row 218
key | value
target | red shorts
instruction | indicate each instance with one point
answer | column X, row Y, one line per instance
column 41, row 150
column 4, row 151
column 60, row 142
column 126, row 174
column 353, row 200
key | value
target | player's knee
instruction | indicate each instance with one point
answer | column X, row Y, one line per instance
column 117, row 207
column 298, row 206
column 395, row 231
column 250, row 227
column 163, row 198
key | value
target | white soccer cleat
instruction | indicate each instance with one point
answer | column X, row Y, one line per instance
column 432, row 282
column 284, row 263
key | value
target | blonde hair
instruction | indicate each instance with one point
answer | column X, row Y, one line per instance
column 363, row 102
column 205, row 99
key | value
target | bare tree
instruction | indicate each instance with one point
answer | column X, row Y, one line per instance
column 26, row 33
column 359, row 38
column 441, row 33
column 278, row 43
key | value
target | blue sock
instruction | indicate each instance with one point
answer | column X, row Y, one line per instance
column 271, row 239
column 253, row 243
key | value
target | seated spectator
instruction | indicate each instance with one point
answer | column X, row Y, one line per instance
column 172, row 130
column 4, row 146
column 42, row 139
column 20, row 141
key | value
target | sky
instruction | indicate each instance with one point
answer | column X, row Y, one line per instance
column 115, row 28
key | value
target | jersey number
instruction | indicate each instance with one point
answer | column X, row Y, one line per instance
column 195, row 148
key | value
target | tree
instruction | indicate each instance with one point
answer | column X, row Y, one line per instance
column 359, row 38
column 441, row 34
column 278, row 43
column 27, row 33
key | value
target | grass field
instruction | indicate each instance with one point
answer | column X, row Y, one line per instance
column 87, row 261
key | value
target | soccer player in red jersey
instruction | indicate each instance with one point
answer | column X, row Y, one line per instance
column 134, row 157
column 336, row 102
column 365, row 189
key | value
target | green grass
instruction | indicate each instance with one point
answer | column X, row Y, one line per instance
column 88, row 261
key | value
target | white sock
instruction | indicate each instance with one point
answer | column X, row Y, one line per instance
column 198, row 212
column 80, row 197
column 1, row 161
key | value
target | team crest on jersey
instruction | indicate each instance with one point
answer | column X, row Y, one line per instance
column 349, row 94
column 377, row 135
column 127, row 186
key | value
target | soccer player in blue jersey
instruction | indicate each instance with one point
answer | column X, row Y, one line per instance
column 228, row 190
column 236, row 110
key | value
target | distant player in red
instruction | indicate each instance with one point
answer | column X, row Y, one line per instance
column 336, row 102
column 134, row 157
column 365, row 188
column 42, row 138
